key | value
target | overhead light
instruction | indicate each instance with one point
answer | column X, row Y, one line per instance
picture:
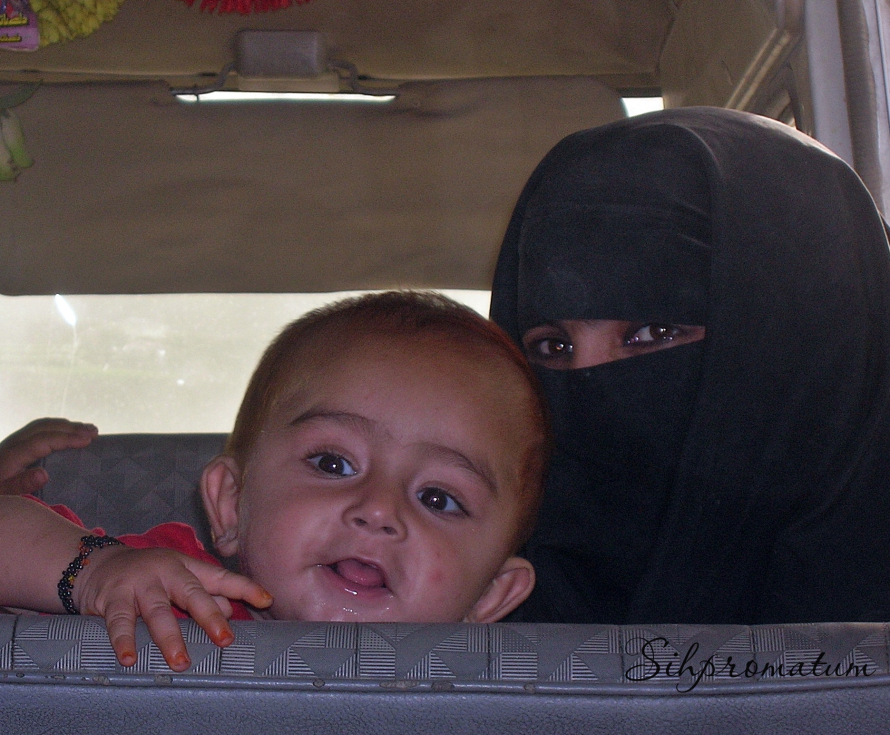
column 282, row 65
column 222, row 96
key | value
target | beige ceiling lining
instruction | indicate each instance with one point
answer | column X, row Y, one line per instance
column 386, row 39
column 133, row 192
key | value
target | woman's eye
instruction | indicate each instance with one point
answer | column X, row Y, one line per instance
column 651, row 334
column 436, row 499
column 548, row 347
column 553, row 347
column 332, row 464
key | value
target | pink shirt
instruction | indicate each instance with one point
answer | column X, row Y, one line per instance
column 176, row 536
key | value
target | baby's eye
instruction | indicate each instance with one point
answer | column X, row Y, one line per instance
column 652, row 334
column 436, row 499
column 332, row 464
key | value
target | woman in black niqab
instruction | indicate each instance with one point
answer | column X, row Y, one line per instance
column 743, row 478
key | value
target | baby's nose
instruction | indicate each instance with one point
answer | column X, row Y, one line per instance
column 388, row 530
column 378, row 510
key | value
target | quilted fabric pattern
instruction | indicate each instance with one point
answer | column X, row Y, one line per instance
column 127, row 483
column 583, row 657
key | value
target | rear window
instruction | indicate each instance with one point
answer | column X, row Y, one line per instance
column 154, row 363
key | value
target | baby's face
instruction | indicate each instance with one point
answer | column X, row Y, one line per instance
column 385, row 488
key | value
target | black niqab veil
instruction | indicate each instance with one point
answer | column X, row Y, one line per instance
column 744, row 478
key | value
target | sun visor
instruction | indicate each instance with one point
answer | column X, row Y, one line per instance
column 134, row 191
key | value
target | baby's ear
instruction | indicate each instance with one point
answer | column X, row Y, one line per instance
column 220, row 488
column 507, row 591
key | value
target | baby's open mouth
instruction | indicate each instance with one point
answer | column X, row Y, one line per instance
column 359, row 573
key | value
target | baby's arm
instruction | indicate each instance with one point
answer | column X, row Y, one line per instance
column 35, row 441
column 118, row 583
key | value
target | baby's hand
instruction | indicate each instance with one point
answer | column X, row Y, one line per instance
column 121, row 583
column 35, row 441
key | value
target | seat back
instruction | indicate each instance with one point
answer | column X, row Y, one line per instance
column 59, row 674
column 127, row 483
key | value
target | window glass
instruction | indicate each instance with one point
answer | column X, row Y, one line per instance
column 157, row 363
column 641, row 105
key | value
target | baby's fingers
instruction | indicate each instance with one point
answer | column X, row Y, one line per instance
column 39, row 439
column 120, row 622
column 52, row 426
column 198, row 603
column 154, row 606
column 25, row 482
column 223, row 583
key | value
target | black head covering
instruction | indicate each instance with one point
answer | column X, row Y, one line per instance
column 745, row 478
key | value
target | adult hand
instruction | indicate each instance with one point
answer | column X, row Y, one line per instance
column 121, row 584
column 33, row 442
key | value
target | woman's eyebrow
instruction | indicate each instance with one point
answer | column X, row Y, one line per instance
column 555, row 323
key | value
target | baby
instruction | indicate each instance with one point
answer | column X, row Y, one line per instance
column 385, row 465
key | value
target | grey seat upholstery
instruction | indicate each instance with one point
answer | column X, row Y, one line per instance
column 59, row 674
column 127, row 483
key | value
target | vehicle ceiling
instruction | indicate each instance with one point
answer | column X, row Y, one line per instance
column 132, row 191
column 618, row 42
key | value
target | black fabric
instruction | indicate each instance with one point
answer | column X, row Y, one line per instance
column 745, row 478
column 633, row 239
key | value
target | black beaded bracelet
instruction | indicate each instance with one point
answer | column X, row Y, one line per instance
column 88, row 544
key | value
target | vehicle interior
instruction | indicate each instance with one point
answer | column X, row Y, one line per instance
column 181, row 179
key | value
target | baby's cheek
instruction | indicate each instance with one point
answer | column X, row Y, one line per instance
column 437, row 577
